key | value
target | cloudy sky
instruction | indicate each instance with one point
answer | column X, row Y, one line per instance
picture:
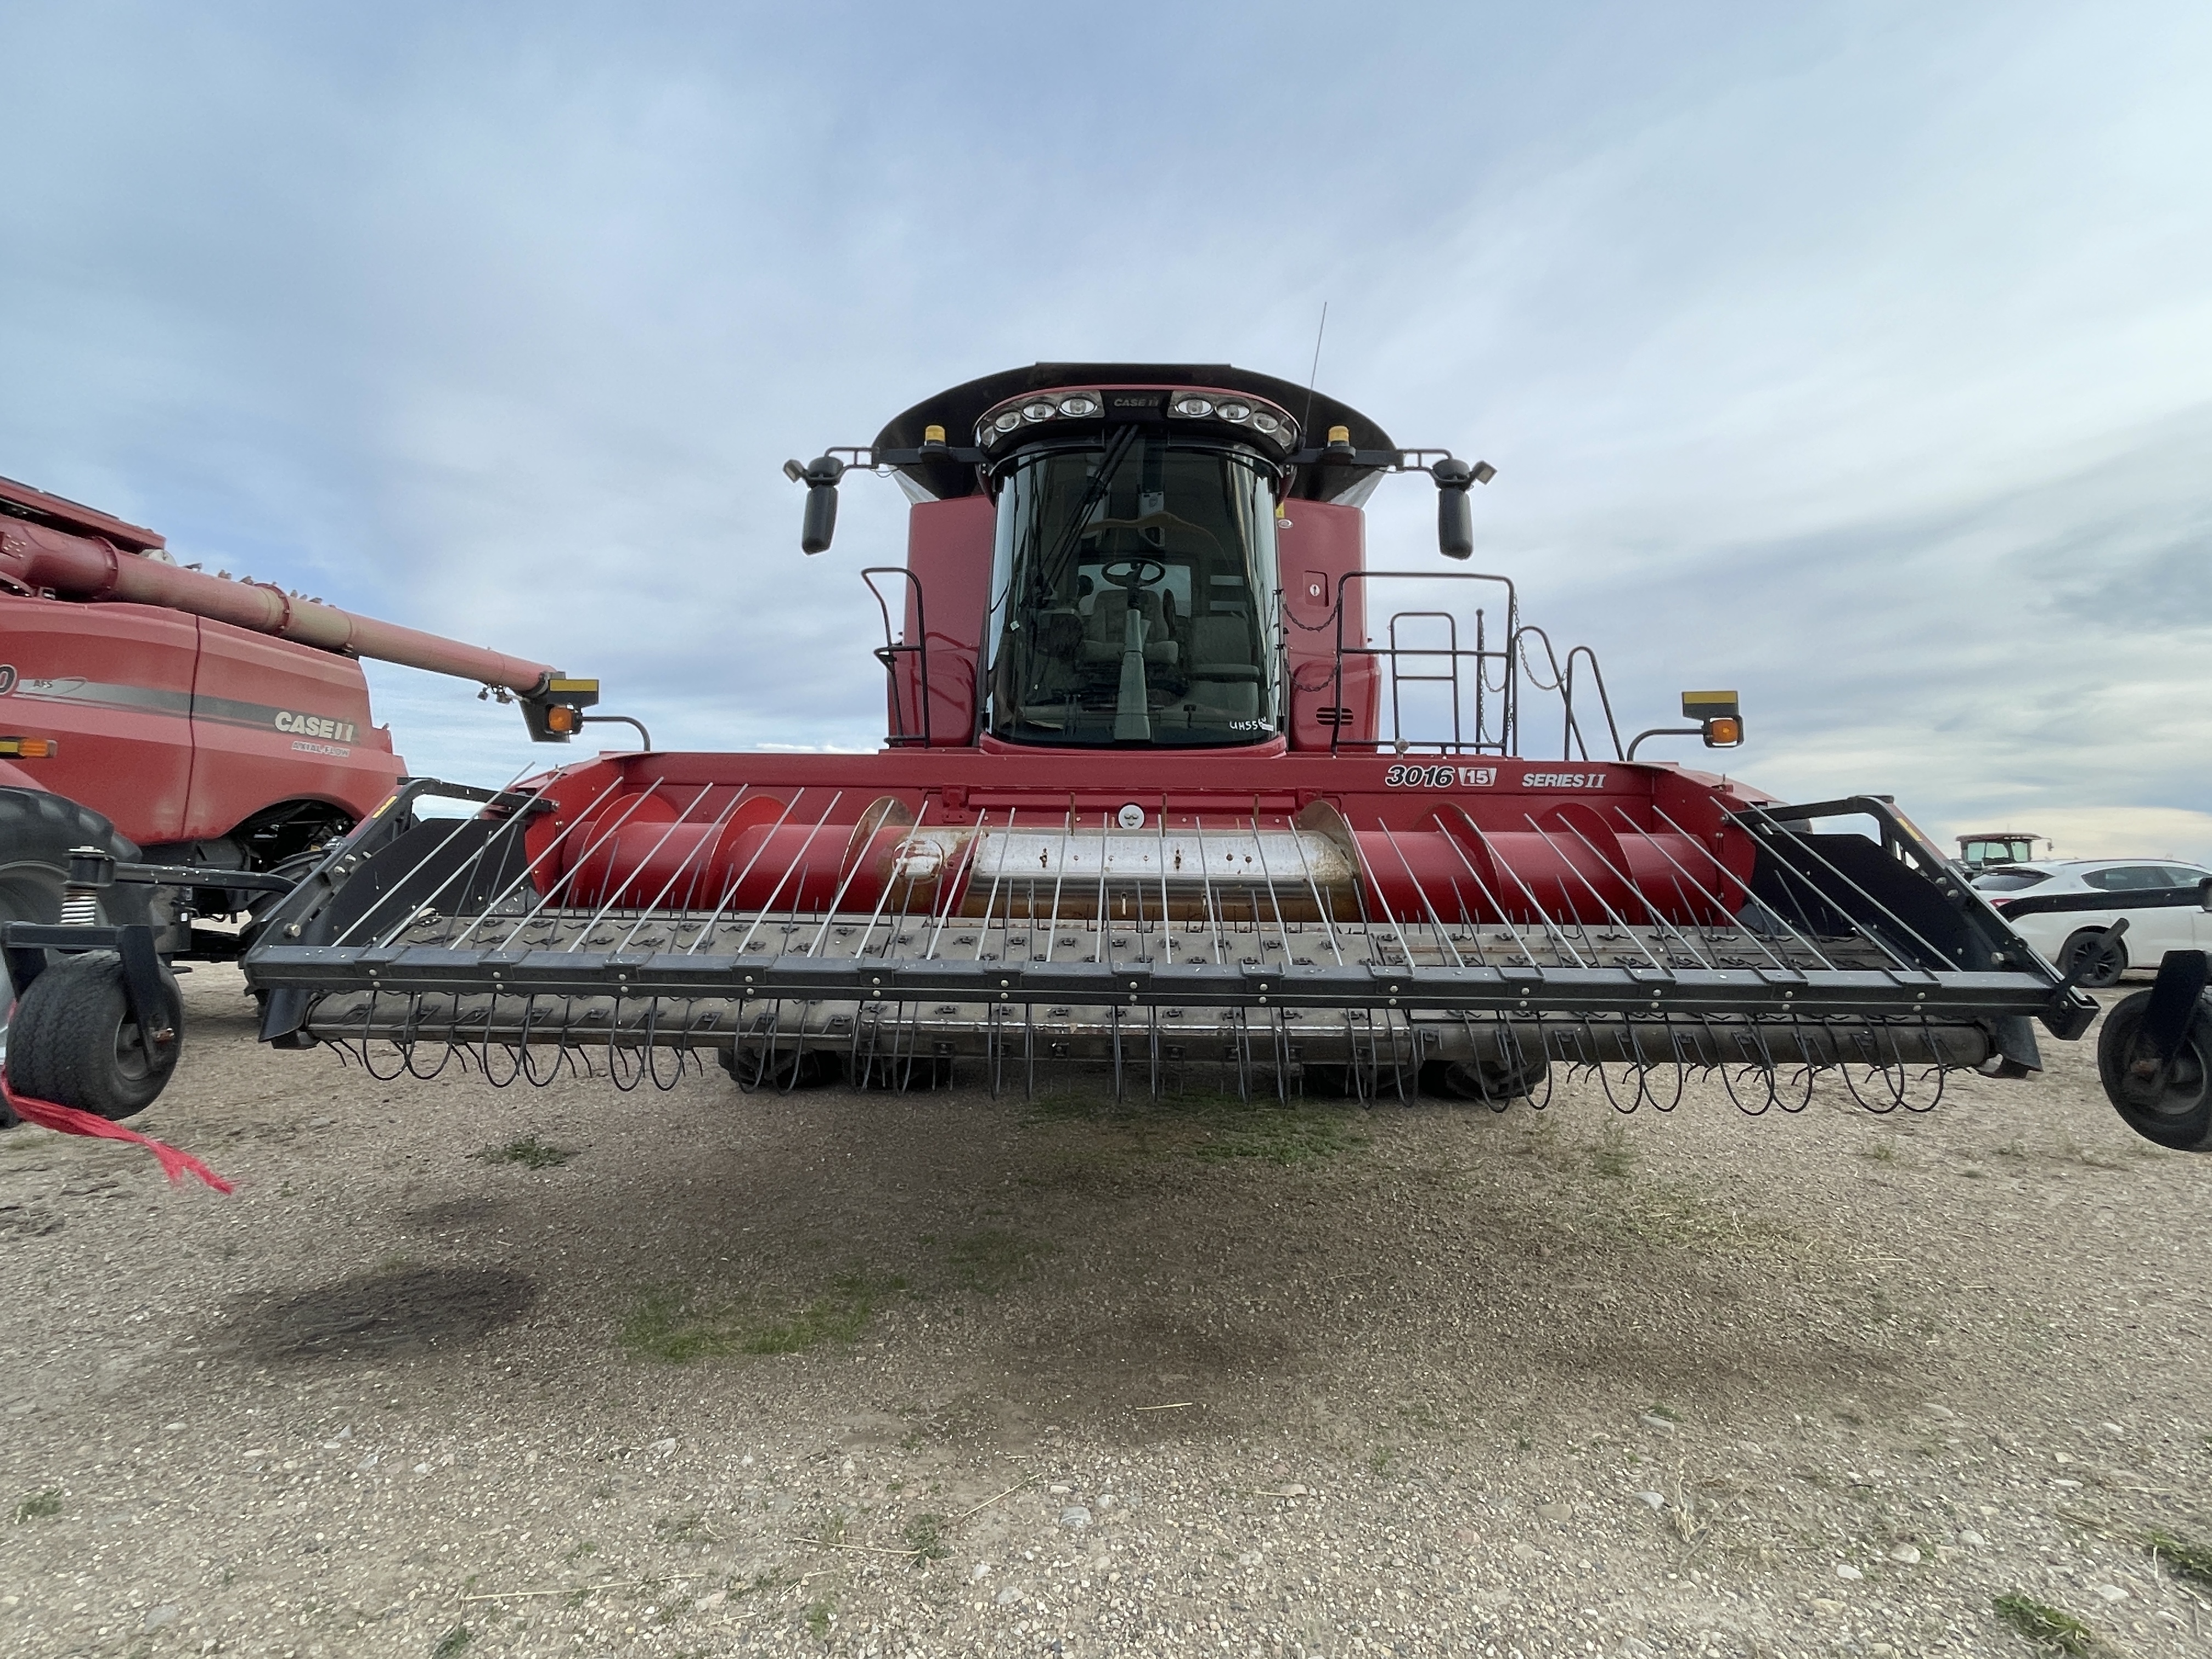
column 1857, row 356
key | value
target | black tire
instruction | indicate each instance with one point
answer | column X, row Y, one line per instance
column 2172, row 1104
column 38, row 832
column 781, row 1070
column 1455, row 1079
column 73, row 1040
column 2107, row 958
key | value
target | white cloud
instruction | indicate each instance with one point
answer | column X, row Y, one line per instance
column 1851, row 356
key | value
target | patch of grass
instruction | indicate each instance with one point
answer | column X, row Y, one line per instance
column 38, row 1505
column 1275, row 1132
column 529, row 1152
column 2185, row 1558
column 1883, row 1152
column 1068, row 1105
column 839, row 1316
column 2050, row 1627
column 578, row 1552
column 454, row 1643
column 818, row 1619
column 1212, row 1124
column 925, row 1536
column 672, row 1324
column 1612, row 1154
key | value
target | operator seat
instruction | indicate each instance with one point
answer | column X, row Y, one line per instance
column 1222, row 676
column 1108, row 634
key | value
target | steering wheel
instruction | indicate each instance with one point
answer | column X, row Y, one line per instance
column 1134, row 573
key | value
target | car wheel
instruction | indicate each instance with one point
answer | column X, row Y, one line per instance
column 2095, row 956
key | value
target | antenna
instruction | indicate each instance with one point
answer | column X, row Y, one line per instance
column 1305, row 421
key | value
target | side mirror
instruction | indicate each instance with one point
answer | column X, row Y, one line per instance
column 1455, row 513
column 2204, row 894
column 820, row 524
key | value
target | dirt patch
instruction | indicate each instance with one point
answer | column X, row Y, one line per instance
column 869, row 1374
column 403, row 1311
column 473, row 1214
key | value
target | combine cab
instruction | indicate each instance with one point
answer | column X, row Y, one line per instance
column 1174, row 781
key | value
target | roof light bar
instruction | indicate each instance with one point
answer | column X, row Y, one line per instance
column 1035, row 409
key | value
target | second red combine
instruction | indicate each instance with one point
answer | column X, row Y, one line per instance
column 1174, row 780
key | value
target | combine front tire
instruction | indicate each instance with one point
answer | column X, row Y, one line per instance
column 2171, row 1103
column 1453, row 1079
column 781, row 1071
column 2104, row 958
column 73, row 1040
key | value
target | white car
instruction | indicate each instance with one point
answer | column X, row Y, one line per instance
column 2065, row 906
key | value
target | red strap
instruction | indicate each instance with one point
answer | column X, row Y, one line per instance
column 68, row 1121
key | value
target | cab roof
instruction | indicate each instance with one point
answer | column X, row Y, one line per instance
column 958, row 409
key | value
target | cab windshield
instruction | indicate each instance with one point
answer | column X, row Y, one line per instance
column 1133, row 586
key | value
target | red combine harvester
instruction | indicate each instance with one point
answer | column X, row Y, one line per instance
column 1156, row 795
column 219, row 730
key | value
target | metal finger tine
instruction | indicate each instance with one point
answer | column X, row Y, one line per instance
column 1590, row 887
column 1819, row 955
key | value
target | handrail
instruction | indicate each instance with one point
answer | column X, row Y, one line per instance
column 1566, row 679
column 1449, row 651
column 1508, row 721
column 888, row 652
column 1562, row 681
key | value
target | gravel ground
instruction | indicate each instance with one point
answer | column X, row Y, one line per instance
column 699, row 1373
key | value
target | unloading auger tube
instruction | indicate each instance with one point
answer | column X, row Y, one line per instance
column 1145, row 809
column 37, row 557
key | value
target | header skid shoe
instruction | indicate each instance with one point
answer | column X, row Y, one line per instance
column 1288, row 919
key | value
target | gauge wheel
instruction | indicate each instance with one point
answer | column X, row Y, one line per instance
column 2097, row 957
column 73, row 1040
column 2171, row 1105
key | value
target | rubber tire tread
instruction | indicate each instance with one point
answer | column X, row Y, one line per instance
column 2097, row 979
column 38, row 828
column 1460, row 1080
column 61, row 1044
column 2182, row 1133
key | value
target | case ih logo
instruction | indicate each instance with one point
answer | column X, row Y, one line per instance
column 314, row 725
